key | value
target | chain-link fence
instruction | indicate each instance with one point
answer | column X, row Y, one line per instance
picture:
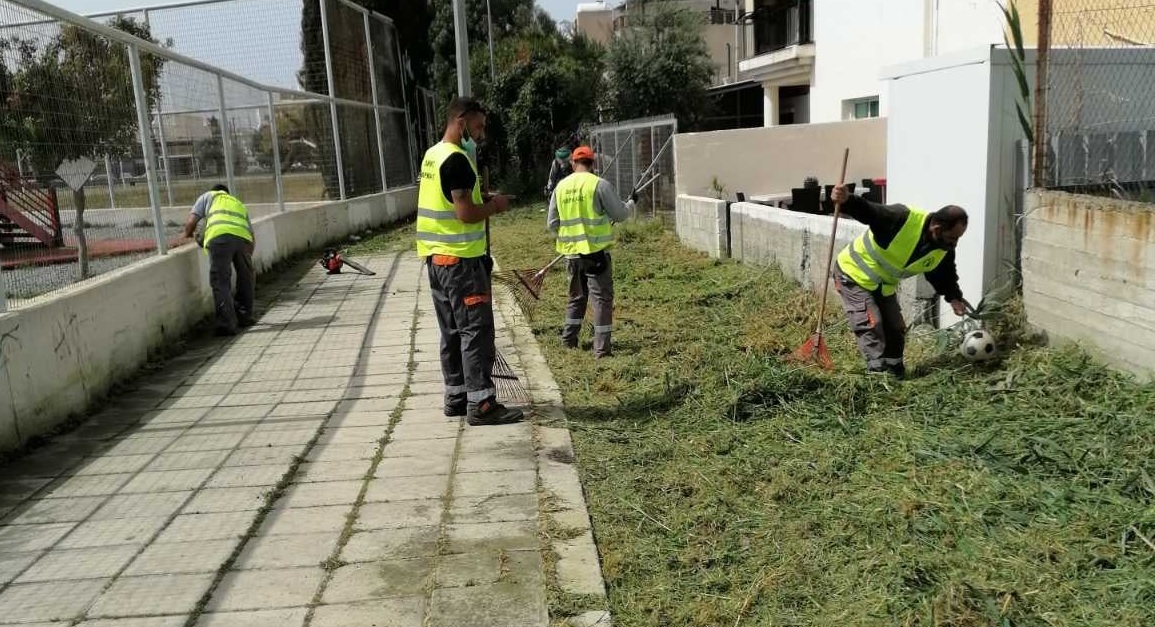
column 638, row 155
column 1099, row 98
column 285, row 101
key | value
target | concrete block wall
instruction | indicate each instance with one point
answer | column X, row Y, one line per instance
column 796, row 242
column 63, row 351
column 1089, row 275
column 701, row 224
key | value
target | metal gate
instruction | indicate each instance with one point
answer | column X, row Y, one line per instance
column 639, row 154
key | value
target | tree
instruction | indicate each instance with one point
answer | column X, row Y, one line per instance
column 293, row 138
column 659, row 65
column 72, row 97
column 546, row 88
column 511, row 18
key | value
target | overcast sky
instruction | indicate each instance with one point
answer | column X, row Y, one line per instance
column 559, row 9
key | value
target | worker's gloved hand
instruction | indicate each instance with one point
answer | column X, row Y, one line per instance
column 961, row 307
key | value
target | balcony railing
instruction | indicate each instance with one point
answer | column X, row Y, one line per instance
column 779, row 25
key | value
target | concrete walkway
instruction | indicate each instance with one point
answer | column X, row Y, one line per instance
column 302, row 474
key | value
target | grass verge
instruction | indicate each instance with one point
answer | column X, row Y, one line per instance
column 728, row 487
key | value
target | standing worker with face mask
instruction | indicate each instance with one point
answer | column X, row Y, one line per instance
column 901, row 242
column 451, row 239
column 581, row 212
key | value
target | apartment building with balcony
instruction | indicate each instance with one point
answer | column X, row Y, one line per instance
column 803, row 61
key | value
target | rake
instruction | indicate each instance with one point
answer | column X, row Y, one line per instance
column 504, row 378
column 814, row 350
column 525, row 285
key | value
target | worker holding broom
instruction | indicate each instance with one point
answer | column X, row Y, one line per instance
column 581, row 212
column 901, row 242
column 451, row 239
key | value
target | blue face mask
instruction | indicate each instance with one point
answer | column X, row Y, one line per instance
column 470, row 147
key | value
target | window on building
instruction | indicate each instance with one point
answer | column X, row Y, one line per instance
column 721, row 16
column 862, row 108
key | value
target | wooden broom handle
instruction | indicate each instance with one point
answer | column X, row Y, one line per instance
column 830, row 251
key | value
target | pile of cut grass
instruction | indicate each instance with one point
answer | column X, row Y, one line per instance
column 728, row 487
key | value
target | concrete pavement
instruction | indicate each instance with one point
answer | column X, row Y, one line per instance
column 302, row 474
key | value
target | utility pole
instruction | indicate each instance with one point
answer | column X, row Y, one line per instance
column 489, row 19
column 462, row 37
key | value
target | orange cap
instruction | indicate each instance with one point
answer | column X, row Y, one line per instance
column 583, row 153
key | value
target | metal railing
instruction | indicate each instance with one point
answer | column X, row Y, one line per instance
column 134, row 99
column 638, row 155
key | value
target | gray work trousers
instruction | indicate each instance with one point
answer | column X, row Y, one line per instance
column 583, row 288
column 876, row 321
column 461, row 300
column 226, row 253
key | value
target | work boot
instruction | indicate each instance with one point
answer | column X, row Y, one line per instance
column 456, row 410
column 491, row 412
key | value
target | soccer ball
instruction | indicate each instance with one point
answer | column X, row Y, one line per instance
column 978, row 346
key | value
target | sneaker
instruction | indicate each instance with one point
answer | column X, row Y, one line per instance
column 491, row 412
column 456, row 410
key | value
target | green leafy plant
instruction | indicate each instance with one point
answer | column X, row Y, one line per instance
column 1013, row 38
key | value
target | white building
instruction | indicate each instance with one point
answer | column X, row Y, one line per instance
column 823, row 60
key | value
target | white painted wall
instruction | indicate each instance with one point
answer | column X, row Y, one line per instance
column 60, row 352
column 856, row 39
column 853, row 40
column 938, row 142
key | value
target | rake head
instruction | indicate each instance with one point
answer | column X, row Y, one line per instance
column 509, row 386
column 524, row 285
column 814, row 352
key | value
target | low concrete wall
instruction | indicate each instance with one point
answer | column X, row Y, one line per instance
column 63, row 351
column 701, row 224
column 1089, row 275
column 795, row 242
column 772, row 160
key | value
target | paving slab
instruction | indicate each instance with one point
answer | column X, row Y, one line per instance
column 374, row 509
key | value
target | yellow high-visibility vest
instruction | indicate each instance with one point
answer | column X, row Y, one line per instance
column 583, row 230
column 226, row 216
column 872, row 266
column 439, row 231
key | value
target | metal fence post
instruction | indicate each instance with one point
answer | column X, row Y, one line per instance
column 332, row 95
column 108, row 181
column 376, row 105
column 276, row 153
column 226, row 140
column 3, row 293
column 410, row 141
column 145, row 132
column 164, row 156
column 654, row 160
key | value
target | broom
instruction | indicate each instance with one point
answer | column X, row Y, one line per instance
column 814, row 350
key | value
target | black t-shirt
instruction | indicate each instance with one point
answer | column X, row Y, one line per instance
column 456, row 173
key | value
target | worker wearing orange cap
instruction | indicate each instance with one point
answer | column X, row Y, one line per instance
column 582, row 211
